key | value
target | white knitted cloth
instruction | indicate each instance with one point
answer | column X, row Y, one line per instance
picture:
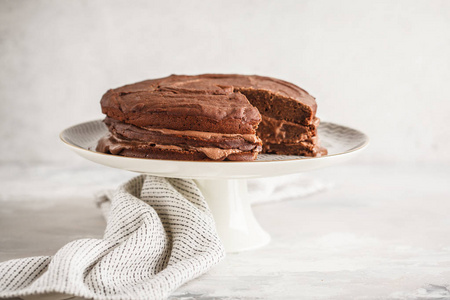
column 159, row 235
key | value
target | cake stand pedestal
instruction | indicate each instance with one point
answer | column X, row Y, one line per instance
column 229, row 203
column 223, row 184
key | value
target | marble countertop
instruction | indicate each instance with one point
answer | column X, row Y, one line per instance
column 376, row 232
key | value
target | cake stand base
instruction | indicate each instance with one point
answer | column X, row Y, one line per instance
column 229, row 203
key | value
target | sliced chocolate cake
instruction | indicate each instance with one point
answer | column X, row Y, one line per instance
column 210, row 117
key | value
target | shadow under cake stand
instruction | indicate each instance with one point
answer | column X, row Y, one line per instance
column 224, row 184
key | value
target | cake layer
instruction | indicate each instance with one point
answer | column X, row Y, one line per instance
column 209, row 102
column 245, row 142
column 300, row 148
column 114, row 145
column 275, row 131
column 223, row 113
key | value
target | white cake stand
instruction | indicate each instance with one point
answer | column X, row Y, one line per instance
column 223, row 184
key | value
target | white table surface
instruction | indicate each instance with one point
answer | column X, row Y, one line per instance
column 381, row 232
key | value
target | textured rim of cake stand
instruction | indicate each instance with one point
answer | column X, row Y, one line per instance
column 224, row 184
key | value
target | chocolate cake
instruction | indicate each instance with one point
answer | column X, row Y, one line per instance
column 210, row 117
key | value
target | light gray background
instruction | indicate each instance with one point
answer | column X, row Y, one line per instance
column 380, row 232
column 379, row 66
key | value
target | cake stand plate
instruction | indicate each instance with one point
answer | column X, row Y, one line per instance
column 223, row 184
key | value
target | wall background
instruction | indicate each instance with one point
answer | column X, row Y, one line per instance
column 380, row 66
